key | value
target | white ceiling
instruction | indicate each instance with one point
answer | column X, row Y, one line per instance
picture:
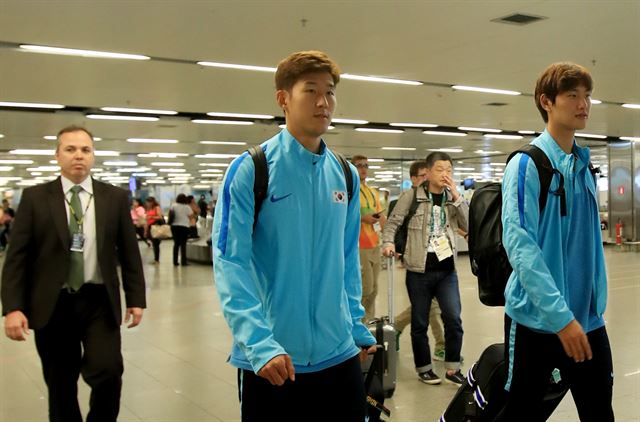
column 436, row 42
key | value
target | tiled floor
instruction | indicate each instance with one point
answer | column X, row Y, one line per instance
column 175, row 366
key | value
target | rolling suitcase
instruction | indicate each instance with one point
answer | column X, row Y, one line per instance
column 387, row 336
column 482, row 396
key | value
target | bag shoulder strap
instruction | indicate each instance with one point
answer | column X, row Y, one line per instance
column 348, row 176
column 545, row 174
column 261, row 180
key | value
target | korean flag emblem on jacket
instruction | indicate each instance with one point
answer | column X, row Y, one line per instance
column 339, row 197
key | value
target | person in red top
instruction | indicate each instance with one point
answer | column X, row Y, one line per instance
column 371, row 217
column 154, row 215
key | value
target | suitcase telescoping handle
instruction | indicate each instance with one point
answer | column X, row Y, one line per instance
column 390, row 270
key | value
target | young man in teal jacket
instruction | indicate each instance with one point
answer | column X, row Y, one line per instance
column 557, row 293
column 290, row 287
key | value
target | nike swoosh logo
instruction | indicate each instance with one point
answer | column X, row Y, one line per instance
column 276, row 199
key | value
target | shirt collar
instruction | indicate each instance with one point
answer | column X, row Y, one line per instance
column 87, row 184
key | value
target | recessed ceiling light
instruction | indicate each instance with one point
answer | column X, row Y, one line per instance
column 1, row 136
column 50, row 137
column 102, row 153
column 223, row 143
column 630, row 138
column 167, row 163
column 527, row 132
column 155, row 181
column 485, row 90
column 350, row 121
column 6, row 168
column 163, row 155
column 120, row 163
column 30, row 105
column 16, row 161
column 138, row 110
column 399, row 148
column 210, row 171
column 172, row 170
column 44, row 168
column 126, row 118
column 152, row 141
column 376, row 130
column 241, row 115
column 216, row 155
column 214, row 164
column 32, row 151
column 498, row 136
column 595, row 102
column 412, row 125
column 222, row 122
column 479, row 129
column 132, row 169
column 376, row 160
column 637, row 106
column 487, row 152
column 145, row 174
column 379, row 79
column 442, row 133
column 590, row 135
column 82, row 53
column 238, row 66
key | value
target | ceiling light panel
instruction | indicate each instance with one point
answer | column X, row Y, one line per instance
column 30, row 105
column 138, row 110
column 485, row 90
column 125, row 118
column 81, row 53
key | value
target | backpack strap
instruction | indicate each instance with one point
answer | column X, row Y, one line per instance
column 546, row 173
column 414, row 205
column 261, row 181
column 348, row 176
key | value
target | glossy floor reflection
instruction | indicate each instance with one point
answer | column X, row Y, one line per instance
column 175, row 368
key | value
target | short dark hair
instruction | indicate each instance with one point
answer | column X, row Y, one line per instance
column 416, row 166
column 297, row 64
column 358, row 157
column 182, row 199
column 70, row 129
column 73, row 128
column 559, row 78
column 437, row 156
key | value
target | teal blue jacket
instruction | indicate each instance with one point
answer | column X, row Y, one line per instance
column 293, row 284
column 558, row 262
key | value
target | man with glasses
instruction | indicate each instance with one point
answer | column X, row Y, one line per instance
column 418, row 174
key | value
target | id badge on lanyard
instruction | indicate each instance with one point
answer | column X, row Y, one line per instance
column 77, row 242
column 441, row 247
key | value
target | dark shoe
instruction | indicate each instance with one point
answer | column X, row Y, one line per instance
column 429, row 377
column 456, row 378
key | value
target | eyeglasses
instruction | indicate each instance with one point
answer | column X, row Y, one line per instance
column 362, row 166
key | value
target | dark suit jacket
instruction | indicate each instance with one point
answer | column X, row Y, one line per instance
column 37, row 262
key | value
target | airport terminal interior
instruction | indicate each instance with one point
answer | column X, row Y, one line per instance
column 174, row 90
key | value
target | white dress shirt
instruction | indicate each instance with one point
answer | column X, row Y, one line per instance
column 90, row 254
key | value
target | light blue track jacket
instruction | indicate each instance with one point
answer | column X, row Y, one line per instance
column 293, row 284
column 558, row 262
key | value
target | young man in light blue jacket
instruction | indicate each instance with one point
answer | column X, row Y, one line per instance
column 290, row 286
column 557, row 293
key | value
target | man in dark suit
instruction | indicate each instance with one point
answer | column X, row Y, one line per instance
column 60, row 279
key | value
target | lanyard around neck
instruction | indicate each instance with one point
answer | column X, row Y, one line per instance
column 73, row 212
column 367, row 199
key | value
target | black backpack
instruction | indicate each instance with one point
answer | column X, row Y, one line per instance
column 261, row 181
column 489, row 261
column 400, row 238
column 482, row 396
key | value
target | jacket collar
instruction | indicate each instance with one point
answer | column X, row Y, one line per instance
column 293, row 147
column 557, row 155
